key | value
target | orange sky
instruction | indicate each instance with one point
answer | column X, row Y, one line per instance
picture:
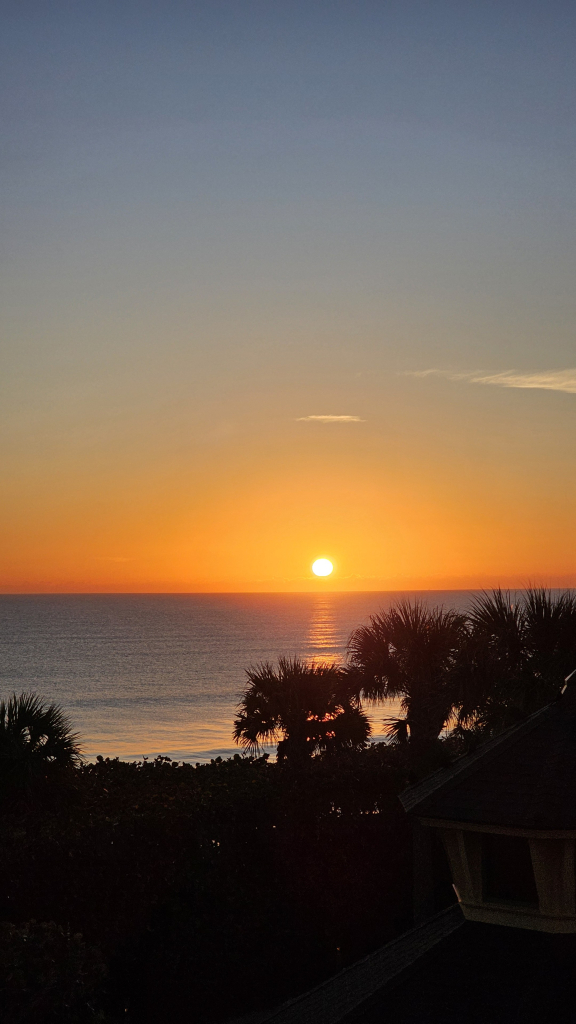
column 438, row 505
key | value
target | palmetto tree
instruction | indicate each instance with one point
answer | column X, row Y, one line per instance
column 304, row 707
column 518, row 652
column 410, row 652
column 34, row 738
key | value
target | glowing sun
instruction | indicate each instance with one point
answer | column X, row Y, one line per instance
column 322, row 567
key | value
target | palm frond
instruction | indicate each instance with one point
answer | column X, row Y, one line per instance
column 411, row 651
column 30, row 726
column 303, row 706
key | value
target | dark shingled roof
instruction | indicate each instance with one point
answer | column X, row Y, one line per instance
column 524, row 779
column 482, row 974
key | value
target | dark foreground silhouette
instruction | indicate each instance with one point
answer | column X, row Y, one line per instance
column 154, row 891
column 180, row 892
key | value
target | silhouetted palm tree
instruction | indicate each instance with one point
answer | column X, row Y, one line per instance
column 518, row 652
column 305, row 707
column 410, row 652
column 34, row 737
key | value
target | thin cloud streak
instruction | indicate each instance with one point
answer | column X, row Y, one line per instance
column 329, row 419
column 549, row 380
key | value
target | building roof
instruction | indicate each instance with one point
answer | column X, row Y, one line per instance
column 481, row 974
column 524, row 779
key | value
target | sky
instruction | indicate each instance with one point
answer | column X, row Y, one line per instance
column 287, row 280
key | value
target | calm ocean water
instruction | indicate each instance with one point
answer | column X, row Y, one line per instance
column 161, row 674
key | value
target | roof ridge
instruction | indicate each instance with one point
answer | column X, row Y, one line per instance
column 414, row 794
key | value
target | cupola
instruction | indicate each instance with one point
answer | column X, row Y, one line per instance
column 507, row 818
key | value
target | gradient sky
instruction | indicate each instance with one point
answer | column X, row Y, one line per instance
column 223, row 218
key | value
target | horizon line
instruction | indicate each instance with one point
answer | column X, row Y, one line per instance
column 288, row 593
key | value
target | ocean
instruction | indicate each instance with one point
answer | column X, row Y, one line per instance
column 148, row 674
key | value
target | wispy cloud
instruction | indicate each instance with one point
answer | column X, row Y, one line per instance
column 549, row 380
column 329, row 419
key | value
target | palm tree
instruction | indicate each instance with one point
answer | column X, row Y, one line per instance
column 517, row 655
column 35, row 737
column 410, row 652
column 304, row 707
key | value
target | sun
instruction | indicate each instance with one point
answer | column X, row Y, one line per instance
column 322, row 567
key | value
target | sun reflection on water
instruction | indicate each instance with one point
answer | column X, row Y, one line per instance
column 326, row 639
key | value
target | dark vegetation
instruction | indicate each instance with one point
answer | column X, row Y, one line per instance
column 36, row 745
column 205, row 890
column 411, row 652
column 155, row 891
column 477, row 673
column 314, row 708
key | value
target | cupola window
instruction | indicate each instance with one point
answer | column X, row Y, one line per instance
column 508, row 875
